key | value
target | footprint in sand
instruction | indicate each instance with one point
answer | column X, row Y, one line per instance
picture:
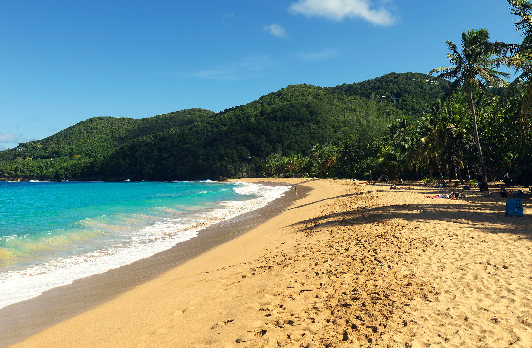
column 222, row 323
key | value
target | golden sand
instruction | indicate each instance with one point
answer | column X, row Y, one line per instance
column 349, row 265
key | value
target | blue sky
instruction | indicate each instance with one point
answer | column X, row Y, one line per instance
column 63, row 62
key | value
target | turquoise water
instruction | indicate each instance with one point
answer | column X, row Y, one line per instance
column 52, row 233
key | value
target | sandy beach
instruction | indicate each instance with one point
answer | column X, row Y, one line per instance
column 346, row 265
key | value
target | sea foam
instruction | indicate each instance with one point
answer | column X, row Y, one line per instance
column 30, row 282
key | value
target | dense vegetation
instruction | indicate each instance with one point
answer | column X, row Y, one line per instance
column 299, row 130
column 465, row 119
column 483, row 123
column 78, row 152
column 410, row 92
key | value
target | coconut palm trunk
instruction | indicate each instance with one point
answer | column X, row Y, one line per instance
column 475, row 66
column 475, row 132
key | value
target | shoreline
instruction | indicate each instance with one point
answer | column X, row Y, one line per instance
column 23, row 319
column 349, row 265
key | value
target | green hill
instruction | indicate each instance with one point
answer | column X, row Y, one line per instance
column 411, row 93
column 300, row 121
column 288, row 122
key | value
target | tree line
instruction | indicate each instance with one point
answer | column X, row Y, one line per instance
column 321, row 131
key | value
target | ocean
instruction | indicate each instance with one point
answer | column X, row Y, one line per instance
column 52, row 233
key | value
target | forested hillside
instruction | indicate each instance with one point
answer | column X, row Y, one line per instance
column 298, row 130
column 290, row 122
column 413, row 93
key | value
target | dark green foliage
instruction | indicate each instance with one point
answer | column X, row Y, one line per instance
column 442, row 143
column 253, row 139
column 412, row 93
column 78, row 152
column 300, row 130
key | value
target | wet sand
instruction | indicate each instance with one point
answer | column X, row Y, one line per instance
column 349, row 265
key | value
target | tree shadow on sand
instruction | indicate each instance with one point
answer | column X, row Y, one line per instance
column 327, row 199
column 486, row 214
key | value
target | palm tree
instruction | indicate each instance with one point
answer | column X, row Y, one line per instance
column 521, row 61
column 476, row 66
column 523, row 9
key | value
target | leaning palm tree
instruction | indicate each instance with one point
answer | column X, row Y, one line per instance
column 523, row 9
column 476, row 66
column 521, row 61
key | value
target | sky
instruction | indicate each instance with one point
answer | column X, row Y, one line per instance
column 62, row 62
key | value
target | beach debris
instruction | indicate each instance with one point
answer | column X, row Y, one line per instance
column 453, row 195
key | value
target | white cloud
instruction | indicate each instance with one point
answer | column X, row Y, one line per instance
column 7, row 138
column 337, row 10
column 319, row 56
column 221, row 74
column 276, row 30
column 244, row 69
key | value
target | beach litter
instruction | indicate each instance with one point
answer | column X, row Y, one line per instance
column 449, row 196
